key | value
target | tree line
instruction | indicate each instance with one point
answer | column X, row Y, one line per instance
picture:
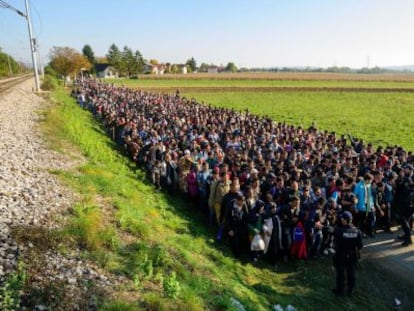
column 9, row 66
column 66, row 61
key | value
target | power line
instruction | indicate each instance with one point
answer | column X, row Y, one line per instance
column 40, row 24
column 4, row 4
column 33, row 43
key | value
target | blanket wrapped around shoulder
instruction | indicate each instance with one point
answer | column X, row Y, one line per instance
column 298, row 248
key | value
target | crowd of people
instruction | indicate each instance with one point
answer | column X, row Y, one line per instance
column 272, row 190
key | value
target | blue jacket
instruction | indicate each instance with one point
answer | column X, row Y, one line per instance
column 359, row 192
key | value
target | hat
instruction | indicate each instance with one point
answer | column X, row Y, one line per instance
column 186, row 152
column 347, row 216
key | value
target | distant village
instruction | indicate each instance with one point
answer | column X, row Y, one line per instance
column 106, row 70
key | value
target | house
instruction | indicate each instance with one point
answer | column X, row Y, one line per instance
column 182, row 68
column 106, row 71
column 212, row 69
column 157, row 69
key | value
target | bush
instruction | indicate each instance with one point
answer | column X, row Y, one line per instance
column 49, row 83
column 51, row 72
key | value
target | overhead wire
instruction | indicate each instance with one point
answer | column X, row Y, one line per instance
column 33, row 7
column 6, row 5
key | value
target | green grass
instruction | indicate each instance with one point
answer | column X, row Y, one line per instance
column 223, row 83
column 380, row 118
column 166, row 251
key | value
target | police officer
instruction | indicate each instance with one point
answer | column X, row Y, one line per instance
column 348, row 242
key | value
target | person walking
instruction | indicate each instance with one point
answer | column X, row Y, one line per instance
column 348, row 242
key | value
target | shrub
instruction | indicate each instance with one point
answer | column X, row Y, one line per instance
column 51, row 72
column 49, row 83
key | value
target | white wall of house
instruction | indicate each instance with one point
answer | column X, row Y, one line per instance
column 183, row 69
column 108, row 72
column 212, row 70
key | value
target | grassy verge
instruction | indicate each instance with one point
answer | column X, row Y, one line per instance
column 164, row 249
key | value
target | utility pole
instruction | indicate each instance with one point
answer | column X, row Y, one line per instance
column 4, row 4
column 32, row 47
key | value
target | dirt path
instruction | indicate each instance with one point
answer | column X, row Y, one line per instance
column 386, row 251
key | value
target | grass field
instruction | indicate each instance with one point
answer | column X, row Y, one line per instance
column 164, row 248
column 255, row 83
column 286, row 76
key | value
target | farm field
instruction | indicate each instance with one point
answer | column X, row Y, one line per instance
column 284, row 76
column 256, row 83
column 380, row 117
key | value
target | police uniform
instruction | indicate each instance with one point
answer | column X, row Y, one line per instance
column 348, row 242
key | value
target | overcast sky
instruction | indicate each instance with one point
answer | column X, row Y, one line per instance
column 259, row 33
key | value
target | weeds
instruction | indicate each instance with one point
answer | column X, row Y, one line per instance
column 42, row 239
column 171, row 286
column 11, row 290
column 119, row 306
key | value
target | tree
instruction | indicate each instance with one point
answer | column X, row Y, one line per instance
column 154, row 61
column 8, row 66
column 174, row 69
column 131, row 63
column 231, row 67
column 90, row 55
column 114, row 57
column 167, row 67
column 191, row 64
column 127, row 62
column 139, row 66
column 67, row 61
column 203, row 67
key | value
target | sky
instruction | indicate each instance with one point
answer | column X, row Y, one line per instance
column 252, row 34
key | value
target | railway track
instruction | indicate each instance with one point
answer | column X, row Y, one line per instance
column 9, row 83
